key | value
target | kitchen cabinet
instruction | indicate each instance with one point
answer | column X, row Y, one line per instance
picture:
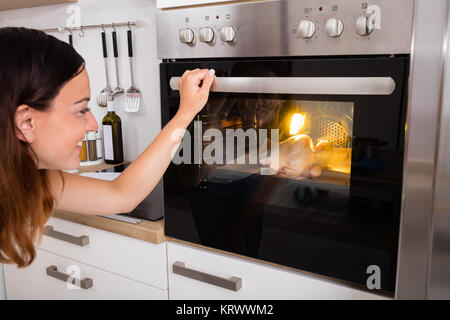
column 18, row 4
column 33, row 282
column 252, row 280
column 120, row 267
column 136, row 259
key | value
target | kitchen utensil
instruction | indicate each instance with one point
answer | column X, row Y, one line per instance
column 118, row 89
column 133, row 96
column 70, row 38
column 102, row 98
column 112, row 95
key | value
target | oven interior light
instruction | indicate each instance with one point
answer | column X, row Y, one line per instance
column 297, row 123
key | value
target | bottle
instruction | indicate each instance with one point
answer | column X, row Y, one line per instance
column 92, row 145
column 112, row 136
column 99, row 144
column 83, row 153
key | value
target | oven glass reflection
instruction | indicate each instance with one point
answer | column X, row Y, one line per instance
column 314, row 150
column 233, row 190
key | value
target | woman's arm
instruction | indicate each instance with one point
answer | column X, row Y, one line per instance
column 93, row 196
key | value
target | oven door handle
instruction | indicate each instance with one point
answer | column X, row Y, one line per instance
column 302, row 85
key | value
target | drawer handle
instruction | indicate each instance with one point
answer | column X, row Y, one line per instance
column 79, row 241
column 234, row 283
column 53, row 272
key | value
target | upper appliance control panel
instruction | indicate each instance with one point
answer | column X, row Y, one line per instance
column 287, row 28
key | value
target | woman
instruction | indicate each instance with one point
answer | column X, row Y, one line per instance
column 44, row 114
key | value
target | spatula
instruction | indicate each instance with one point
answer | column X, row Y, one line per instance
column 133, row 96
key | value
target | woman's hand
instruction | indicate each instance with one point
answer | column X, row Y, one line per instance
column 193, row 97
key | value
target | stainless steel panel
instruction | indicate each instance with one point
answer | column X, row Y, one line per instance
column 270, row 29
column 302, row 85
column 439, row 275
column 123, row 218
column 420, row 153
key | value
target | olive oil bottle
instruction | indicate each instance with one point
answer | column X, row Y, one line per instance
column 112, row 136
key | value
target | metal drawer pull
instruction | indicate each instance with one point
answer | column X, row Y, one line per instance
column 79, row 241
column 234, row 283
column 53, row 272
column 302, row 85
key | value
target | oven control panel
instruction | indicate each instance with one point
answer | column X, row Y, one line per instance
column 287, row 28
column 206, row 34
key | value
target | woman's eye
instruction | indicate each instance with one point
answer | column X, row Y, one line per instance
column 85, row 110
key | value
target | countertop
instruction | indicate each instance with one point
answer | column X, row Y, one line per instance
column 151, row 231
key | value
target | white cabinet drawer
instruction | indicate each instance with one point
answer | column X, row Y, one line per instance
column 259, row 281
column 136, row 259
column 33, row 282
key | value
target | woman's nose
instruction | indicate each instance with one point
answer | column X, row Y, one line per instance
column 91, row 123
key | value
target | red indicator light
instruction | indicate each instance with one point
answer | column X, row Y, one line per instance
column 217, row 17
column 320, row 8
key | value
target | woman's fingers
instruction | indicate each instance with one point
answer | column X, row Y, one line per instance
column 208, row 80
column 184, row 76
column 196, row 76
column 193, row 97
column 187, row 73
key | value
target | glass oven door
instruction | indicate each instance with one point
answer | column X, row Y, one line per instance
column 296, row 162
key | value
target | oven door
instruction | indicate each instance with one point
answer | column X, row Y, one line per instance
column 296, row 161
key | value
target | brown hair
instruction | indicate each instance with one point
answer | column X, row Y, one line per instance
column 33, row 68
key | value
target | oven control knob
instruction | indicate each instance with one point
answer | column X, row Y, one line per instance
column 306, row 29
column 186, row 35
column 206, row 34
column 364, row 25
column 334, row 27
column 227, row 34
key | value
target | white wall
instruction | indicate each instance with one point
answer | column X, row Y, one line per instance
column 138, row 129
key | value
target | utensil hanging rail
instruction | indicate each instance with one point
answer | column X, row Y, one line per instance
column 94, row 26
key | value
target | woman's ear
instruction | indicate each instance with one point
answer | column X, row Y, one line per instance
column 25, row 123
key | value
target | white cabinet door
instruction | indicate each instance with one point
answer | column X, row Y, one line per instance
column 2, row 284
column 136, row 259
column 33, row 282
column 259, row 281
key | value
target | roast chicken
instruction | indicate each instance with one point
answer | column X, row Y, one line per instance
column 298, row 157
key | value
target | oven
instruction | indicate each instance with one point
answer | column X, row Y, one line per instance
column 297, row 158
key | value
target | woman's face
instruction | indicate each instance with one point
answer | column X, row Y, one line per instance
column 59, row 130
